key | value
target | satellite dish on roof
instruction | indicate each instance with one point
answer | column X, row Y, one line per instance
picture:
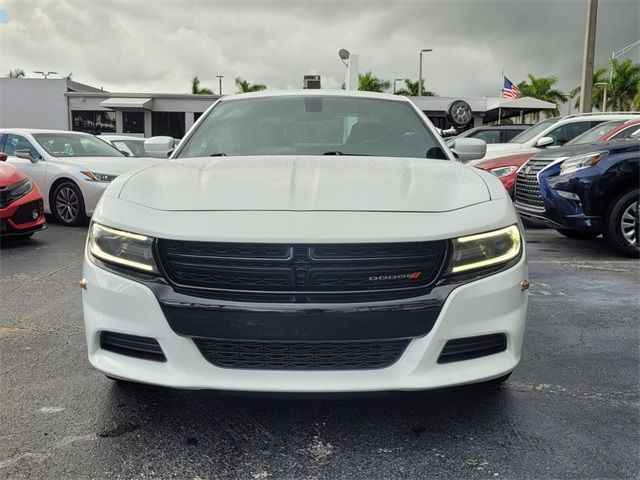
column 343, row 53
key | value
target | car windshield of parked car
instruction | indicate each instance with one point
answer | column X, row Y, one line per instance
column 312, row 125
column 595, row 134
column 61, row 145
column 135, row 148
column 532, row 132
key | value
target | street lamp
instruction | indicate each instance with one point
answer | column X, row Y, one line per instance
column 424, row 50
column 615, row 55
column 394, row 83
column 220, row 77
column 604, row 95
column 46, row 74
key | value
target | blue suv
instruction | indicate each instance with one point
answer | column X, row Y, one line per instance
column 585, row 191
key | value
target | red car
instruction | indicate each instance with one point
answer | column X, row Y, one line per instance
column 506, row 168
column 21, row 205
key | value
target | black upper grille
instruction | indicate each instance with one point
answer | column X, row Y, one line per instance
column 527, row 190
column 290, row 271
column 283, row 355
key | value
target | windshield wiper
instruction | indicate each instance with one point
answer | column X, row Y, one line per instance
column 219, row 154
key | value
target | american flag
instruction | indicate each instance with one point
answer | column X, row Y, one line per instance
column 509, row 90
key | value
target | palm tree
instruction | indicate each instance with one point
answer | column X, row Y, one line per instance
column 410, row 89
column 370, row 83
column 600, row 76
column 542, row 89
column 245, row 87
column 625, row 84
column 15, row 73
column 197, row 89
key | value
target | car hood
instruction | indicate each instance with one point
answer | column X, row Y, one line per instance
column 108, row 165
column 306, row 183
column 9, row 174
column 501, row 149
column 518, row 160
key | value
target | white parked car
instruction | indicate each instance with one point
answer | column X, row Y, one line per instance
column 307, row 241
column 72, row 169
column 553, row 132
column 131, row 145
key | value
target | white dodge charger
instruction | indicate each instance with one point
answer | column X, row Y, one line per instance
column 307, row 241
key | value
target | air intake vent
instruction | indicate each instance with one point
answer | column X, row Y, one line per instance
column 132, row 346
column 473, row 347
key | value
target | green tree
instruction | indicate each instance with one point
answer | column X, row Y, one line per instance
column 624, row 84
column 410, row 89
column 15, row 73
column 245, row 87
column 197, row 89
column 370, row 83
column 600, row 76
column 542, row 89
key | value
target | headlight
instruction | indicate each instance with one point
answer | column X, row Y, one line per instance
column 485, row 249
column 125, row 249
column 17, row 190
column 581, row 161
column 502, row 172
column 99, row 177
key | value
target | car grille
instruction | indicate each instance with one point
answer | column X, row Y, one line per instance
column 283, row 355
column 300, row 272
column 527, row 190
column 24, row 213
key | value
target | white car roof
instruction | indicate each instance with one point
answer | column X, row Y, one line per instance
column 40, row 130
column 316, row 93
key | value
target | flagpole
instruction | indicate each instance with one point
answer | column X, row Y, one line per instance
column 500, row 96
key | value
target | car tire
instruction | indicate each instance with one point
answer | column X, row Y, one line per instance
column 67, row 205
column 577, row 234
column 622, row 223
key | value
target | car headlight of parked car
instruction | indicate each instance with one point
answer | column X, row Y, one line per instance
column 15, row 191
column 485, row 250
column 502, row 172
column 123, row 249
column 99, row 177
column 578, row 162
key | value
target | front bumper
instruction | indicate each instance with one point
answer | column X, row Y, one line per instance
column 495, row 304
column 17, row 217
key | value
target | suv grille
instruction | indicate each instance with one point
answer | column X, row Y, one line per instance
column 527, row 190
column 297, row 272
column 282, row 355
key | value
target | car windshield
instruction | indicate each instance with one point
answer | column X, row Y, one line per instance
column 595, row 134
column 533, row 131
column 312, row 125
column 74, row 145
column 135, row 148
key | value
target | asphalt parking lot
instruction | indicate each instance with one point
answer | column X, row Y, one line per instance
column 571, row 409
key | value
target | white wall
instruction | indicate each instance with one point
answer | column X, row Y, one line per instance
column 33, row 103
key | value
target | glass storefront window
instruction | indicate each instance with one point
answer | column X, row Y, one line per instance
column 168, row 123
column 93, row 121
column 133, row 122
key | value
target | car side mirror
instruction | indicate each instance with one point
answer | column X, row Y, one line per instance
column 159, row 146
column 545, row 142
column 26, row 154
column 3, row 157
column 467, row 149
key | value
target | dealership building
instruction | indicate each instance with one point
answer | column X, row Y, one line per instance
column 64, row 104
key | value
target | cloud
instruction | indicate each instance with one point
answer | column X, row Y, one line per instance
column 158, row 46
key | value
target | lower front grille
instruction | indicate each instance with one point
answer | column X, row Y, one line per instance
column 132, row 346
column 24, row 213
column 473, row 347
column 283, row 355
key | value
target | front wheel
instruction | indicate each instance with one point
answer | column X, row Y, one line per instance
column 577, row 234
column 68, row 205
column 622, row 224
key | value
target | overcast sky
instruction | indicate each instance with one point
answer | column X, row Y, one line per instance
column 158, row 46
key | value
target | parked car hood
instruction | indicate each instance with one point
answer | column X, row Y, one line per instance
column 108, row 165
column 517, row 159
column 501, row 149
column 306, row 183
column 9, row 174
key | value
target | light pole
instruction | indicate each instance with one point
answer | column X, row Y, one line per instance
column 46, row 74
column 220, row 77
column 424, row 50
column 604, row 95
column 394, row 84
column 615, row 55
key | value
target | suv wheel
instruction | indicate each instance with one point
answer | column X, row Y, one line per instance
column 68, row 205
column 577, row 234
column 622, row 224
